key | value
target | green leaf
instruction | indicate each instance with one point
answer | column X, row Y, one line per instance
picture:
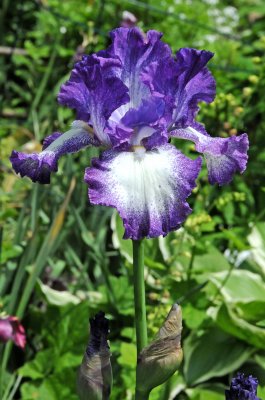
column 123, row 292
column 261, row 392
column 212, row 354
column 257, row 241
column 128, row 355
column 40, row 366
column 57, row 298
column 193, row 317
column 213, row 392
column 212, row 261
column 125, row 246
column 241, row 286
column 230, row 322
column 154, row 264
column 58, row 386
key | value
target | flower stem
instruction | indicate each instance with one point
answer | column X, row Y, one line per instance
column 139, row 294
column 141, row 395
column 139, row 303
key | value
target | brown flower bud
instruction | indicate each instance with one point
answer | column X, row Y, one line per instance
column 158, row 361
column 95, row 374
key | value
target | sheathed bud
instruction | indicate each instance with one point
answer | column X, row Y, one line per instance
column 158, row 361
column 95, row 374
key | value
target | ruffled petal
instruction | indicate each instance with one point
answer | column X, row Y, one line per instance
column 183, row 83
column 149, row 189
column 95, row 92
column 224, row 156
column 135, row 51
column 38, row 167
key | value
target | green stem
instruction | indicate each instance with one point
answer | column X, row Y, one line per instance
column 141, row 395
column 139, row 294
column 139, row 304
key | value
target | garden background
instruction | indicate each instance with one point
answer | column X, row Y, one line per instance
column 63, row 260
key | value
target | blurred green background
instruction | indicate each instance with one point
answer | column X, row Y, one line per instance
column 63, row 260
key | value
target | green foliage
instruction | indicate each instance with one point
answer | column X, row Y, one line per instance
column 63, row 260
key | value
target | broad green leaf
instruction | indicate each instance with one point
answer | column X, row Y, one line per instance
column 212, row 261
column 240, row 286
column 257, row 241
column 253, row 311
column 68, row 360
column 212, row 392
column 193, row 317
column 57, row 298
column 40, row 367
column 212, row 354
column 228, row 320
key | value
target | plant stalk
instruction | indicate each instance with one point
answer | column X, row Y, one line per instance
column 139, row 304
column 139, row 294
column 141, row 395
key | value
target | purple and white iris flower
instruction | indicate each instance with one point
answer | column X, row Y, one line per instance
column 131, row 98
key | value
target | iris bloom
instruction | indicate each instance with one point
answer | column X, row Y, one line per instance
column 11, row 329
column 243, row 388
column 130, row 99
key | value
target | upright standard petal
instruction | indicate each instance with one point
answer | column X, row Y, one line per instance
column 136, row 51
column 145, row 125
column 148, row 123
column 39, row 166
column 94, row 92
column 148, row 188
column 184, row 82
column 224, row 156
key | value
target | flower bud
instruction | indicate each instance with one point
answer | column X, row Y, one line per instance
column 158, row 361
column 95, row 374
column 11, row 329
column 243, row 388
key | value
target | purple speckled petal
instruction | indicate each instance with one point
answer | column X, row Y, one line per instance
column 38, row 167
column 136, row 51
column 224, row 156
column 95, row 92
column 49, row 139
column 183, row 83
column 149, row 189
